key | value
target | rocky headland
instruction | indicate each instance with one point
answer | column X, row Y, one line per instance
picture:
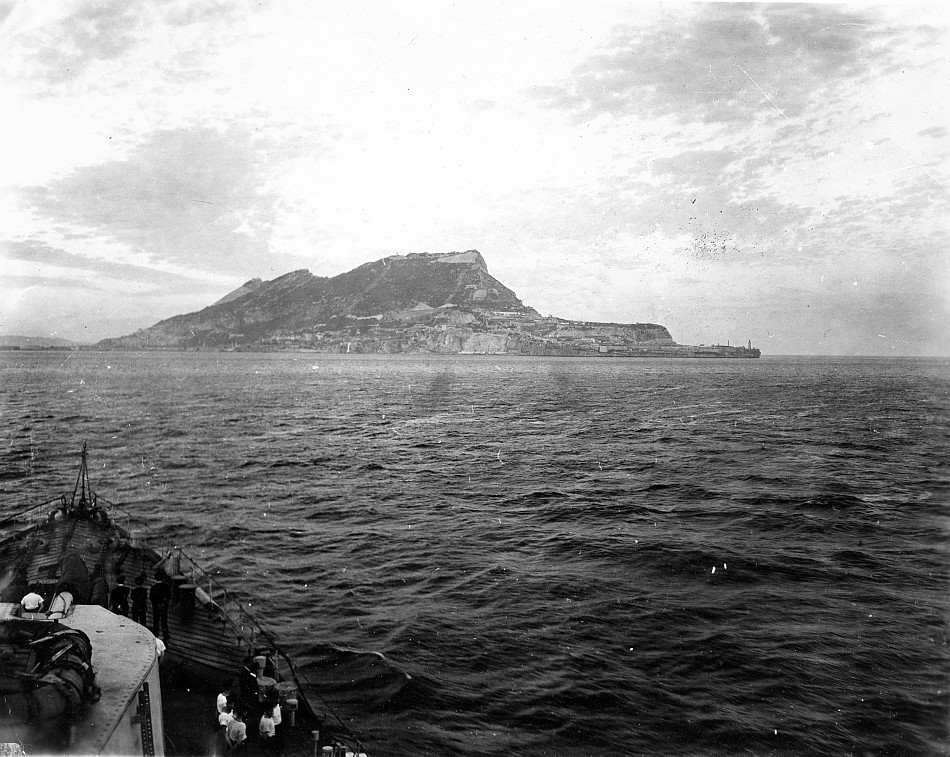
column 418, row 303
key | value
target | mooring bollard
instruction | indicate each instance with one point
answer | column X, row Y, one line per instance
column 290, row 707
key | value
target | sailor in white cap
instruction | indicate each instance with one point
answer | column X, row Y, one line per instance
column 32, row 603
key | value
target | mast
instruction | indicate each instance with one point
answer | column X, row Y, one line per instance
column 82, row 486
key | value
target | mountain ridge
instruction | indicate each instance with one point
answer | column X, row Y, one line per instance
column 445, row 303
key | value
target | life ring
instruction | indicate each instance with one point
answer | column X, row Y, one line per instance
column 60, row 680
column 57, row 513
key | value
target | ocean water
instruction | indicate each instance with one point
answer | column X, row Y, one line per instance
column 481, row 555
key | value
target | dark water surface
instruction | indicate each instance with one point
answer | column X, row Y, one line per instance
column 499, row 556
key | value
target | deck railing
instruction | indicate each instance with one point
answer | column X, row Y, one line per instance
column 34, row 514
column 241, row 621
column 245, row 626
column 252, row 631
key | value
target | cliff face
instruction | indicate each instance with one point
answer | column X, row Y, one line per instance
column 424, row 303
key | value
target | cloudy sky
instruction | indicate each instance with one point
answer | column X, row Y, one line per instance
column 774, row 172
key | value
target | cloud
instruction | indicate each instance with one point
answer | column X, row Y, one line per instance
column 691, row 209
column 84, row 271
column 59, row 49
column 48, row 290
column 46, row 281
column 60, row 44
column 194, row 197
column 84, row 311
column 725, row 64
column 213, row 11
column 6, row 8
column 677, row 162
column 934, row 132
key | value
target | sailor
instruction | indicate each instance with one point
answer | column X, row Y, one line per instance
column 32, row 603
column 278, row 729
column 225, row 716
column 266, row 731
column 161, row 595
column 120, row 597
column 222, row 746
column 159, row 648
column 270, row 669
column 99, row 590
column 248, row 687
column 236, row 732
column 222, row 701
column 222, row 704
column 140, row 600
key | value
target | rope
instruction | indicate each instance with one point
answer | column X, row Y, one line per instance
column 16, row 516
column 86, row 486
column 277, row 648
column 297, row 676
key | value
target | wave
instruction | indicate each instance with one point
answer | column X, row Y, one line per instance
column 533, row 557
column 355, row 678
column 832, row 501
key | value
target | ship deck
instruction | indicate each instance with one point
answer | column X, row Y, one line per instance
column 206, row 645
column 199, row 634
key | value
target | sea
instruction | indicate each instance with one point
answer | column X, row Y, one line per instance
column 497, row 555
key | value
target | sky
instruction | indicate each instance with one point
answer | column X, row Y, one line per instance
column 768, row 172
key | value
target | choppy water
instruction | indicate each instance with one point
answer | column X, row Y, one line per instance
column 498, row 556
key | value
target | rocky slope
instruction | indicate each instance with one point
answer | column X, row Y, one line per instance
column 423, row 303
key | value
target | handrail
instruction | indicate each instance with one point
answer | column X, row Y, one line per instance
column 298, row 676
column 257, row 628
column 15, row 516
column 227, row 603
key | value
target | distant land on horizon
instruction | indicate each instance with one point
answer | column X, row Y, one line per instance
column 424, row 303
column 20, row 342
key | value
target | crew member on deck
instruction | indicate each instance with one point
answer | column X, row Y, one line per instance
column 140, row 600
column 161, row 595
column 270, row 669
column 225, row 716
column 120, row 597
column 31, row 604
column 223, row 703
column 248, row 687
column 265, row 732
column 278, row 728
column 99, row 590
column 223, row 696
column 221, row 744
column 236, row 733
